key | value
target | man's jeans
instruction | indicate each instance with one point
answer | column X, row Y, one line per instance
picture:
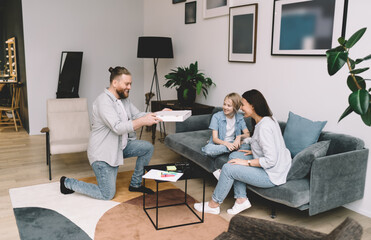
column 106, row 175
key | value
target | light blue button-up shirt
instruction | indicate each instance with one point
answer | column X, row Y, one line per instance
column 108, row 125
column 219, row 123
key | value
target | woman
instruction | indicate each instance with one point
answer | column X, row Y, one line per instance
column 268, row 168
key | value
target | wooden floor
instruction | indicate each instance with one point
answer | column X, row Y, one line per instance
column 22, row 163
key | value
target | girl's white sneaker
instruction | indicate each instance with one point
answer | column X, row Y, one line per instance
column 198, row 207
column 237, row 208
column 217, row 173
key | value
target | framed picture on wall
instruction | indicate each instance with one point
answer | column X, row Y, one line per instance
column 178, row 1
column 306, row 27
column 242, row 33
column 215, row 8
column 190, row 12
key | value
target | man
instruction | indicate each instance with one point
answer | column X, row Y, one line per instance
column 113, row 138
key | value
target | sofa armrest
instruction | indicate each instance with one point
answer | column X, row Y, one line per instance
column 337, row 179
column 193, row 123
column 253, row 228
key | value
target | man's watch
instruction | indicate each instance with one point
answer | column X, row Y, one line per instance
column 249, row 162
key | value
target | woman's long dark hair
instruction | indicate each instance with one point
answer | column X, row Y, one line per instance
column 257, row 100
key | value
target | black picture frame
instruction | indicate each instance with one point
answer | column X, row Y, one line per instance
column 307, row 28
column 178, row 1
column 243, row 22
column 190, row 12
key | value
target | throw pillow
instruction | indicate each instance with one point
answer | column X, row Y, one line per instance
column 302, row 162
column 301, row 133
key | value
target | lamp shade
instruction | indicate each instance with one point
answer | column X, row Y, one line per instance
column 155, row 47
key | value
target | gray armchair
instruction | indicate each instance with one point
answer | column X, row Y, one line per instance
column 243, row 227
column 68, row 128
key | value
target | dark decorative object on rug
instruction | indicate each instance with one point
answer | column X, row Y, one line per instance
column 188, row 81
column 307, row 28
column 190, row 12
column 243, row 227
column 359, row 99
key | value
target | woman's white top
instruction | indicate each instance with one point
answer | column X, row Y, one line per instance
column 268, row 146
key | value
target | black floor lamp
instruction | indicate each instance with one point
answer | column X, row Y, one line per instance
column 155, row 47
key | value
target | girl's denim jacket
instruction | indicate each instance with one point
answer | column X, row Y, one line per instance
column 219, row 123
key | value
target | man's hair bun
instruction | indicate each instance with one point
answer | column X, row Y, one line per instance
column 110, row 69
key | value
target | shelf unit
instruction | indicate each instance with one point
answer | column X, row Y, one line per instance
column 11, row 58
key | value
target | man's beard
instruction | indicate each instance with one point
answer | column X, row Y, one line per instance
column 122, row 94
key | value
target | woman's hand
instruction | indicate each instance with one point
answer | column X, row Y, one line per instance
column 238, row 161
column 247, row 152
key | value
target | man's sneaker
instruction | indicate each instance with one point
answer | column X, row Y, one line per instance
column 142, row 189
column 198, row 207
column 237, row 208
column 63, row 188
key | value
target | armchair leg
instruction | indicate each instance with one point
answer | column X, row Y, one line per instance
column 50, row 168
column 48, row 155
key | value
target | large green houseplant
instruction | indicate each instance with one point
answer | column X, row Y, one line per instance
column 359, row 99
column 188, row 81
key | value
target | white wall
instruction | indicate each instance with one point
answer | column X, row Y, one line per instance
column 290, row 83
column 106, row 31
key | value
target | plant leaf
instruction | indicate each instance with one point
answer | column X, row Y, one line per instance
column 335, row 60
column 347, row 111
column 359, row 60
column 199, row 87
column 185, row 94
column 352, row 85
column 352, row 63
column 341, row 40
column 359, row 101
column 359, row 70
column 367, row 57
column 355, row 37
column 366, row 118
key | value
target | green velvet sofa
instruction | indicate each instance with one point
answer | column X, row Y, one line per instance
column 334, row 179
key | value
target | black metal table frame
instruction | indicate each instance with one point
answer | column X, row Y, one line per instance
column 201, row 220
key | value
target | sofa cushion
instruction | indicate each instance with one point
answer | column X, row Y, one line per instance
column 301, row 132
column 302, row 162
column 294, row 193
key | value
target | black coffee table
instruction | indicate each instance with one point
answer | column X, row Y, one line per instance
column 190, row 173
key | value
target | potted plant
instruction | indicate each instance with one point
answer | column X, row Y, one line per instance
column 360, row 99
column 188, row 81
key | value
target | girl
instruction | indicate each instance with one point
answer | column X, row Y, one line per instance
column 268, row 168
column 228, row 128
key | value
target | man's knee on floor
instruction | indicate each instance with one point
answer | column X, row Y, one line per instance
column 108, row 195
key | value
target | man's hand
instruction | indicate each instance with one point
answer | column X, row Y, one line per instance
column 147, row 120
